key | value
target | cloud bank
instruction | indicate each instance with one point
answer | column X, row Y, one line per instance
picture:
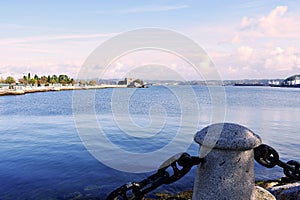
column 259, row 46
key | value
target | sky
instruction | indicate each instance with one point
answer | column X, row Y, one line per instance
column 244, row 39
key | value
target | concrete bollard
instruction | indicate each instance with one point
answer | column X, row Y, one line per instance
column 228, row 172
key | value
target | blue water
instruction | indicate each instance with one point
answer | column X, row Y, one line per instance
column 42, row 156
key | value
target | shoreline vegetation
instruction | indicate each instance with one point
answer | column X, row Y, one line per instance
column 28, row 84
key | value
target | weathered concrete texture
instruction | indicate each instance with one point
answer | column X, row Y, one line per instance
column 225, row 175
column 229, row 169
column 227, row 136
column 262, row 194
column 289, row 191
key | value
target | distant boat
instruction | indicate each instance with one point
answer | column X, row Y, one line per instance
column 249, row 84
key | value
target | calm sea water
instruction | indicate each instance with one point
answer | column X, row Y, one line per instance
column 42, row 156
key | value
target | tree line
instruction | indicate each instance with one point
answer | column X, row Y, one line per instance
column 46, row 80
column 41, row 80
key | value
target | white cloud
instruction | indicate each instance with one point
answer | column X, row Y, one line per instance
column 256, row 62
column 17, row 71
column 152, row 64
column 259, row 46
column 265, row 46
column 277, row 23
column 47, row 54
column 276, row 51
column 232, row 70
column 272, row 23
column 282, row 59
column 246, row 22
column 236, row 39
column 244, row 53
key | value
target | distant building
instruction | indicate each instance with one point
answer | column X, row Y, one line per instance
column 132, row 82
column 292, row 81
column 275, row 83
column 126, row 81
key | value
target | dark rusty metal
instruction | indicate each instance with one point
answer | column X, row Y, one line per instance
column 269, row 157
column 136, row 190
column 266, row 156
column 292, row 169
column 121, row 192
column 177, row 166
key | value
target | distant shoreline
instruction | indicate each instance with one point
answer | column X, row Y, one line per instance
column 24, row 90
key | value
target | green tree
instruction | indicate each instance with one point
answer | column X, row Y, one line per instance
column 63, row 82
column 10, row 80
column 63, row 79
column 139, row 81
column 35, row 82
column 54, row 79
column 72, row 81
column 43, row 80
column 23, row 80
column 92, row 82
column 32, row 81
column 36, row 77
column 82, row 82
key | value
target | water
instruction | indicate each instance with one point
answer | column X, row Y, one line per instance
column 42, row 156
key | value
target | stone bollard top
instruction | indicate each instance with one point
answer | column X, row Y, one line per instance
column 227, row 136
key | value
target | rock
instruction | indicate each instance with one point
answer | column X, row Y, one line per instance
column 289, row 191
column 262, row 194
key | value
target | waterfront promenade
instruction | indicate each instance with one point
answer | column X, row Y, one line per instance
column 20, row 90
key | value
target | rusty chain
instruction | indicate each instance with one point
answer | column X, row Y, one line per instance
column 269, row 157
column 136, row 190
column 263, row 154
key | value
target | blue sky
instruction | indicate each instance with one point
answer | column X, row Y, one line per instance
column 245, row 39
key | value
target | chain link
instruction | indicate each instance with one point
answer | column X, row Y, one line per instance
column 179, row 165
column 269, row 157
column 136, row 190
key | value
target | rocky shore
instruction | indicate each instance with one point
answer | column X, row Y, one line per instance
column 281, row 189
column 24, row 90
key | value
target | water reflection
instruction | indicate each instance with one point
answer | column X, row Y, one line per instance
column 43, row 157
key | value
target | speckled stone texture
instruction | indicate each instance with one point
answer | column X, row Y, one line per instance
column 228, row 172
column 289, row 191
column 262, row 194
